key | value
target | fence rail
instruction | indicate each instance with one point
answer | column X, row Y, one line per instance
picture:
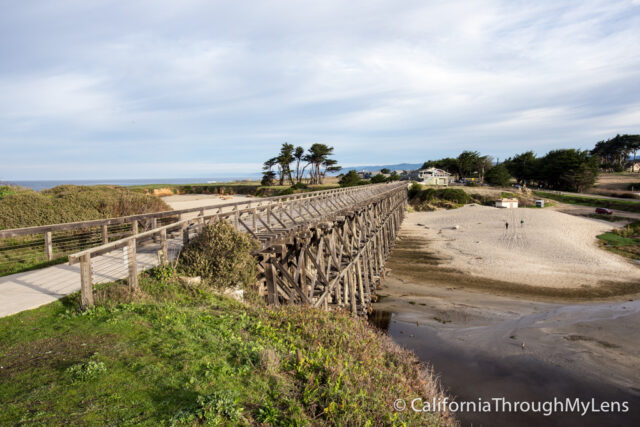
column 271, row 221
column 31, row 246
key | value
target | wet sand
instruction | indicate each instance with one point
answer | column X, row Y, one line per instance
column 489, row 338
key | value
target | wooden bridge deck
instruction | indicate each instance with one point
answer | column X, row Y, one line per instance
column 277, row 224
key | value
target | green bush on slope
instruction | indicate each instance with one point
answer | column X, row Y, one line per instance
column 69, row 203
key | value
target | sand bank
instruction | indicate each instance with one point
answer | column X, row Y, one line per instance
column 540, row 248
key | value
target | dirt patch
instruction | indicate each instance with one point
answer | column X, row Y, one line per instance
column 54, row 353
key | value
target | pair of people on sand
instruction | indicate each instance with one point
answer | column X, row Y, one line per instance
column 506, row 224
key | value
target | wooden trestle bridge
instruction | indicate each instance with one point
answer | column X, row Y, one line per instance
column 321, row 249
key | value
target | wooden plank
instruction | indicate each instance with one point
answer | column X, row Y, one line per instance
column 164, row 247
column 185, row 234
column 105, row 234
column 270, row 276
column 133, row 264
column 295, row 286
column 86, row 282
column 48, row 245
column 247, row 228
column 352, row 292
column 363, row 300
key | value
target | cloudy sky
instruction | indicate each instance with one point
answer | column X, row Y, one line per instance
column 194, row 88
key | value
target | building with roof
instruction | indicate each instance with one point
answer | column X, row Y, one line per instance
column 431, row 176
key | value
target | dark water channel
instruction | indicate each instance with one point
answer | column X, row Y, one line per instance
column 467, row 375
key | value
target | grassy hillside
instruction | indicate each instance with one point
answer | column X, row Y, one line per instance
column 67, row 203
column 175, row 354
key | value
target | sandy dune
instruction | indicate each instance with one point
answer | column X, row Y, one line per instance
column 550, row 249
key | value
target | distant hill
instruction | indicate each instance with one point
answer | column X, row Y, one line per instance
column 398, row 166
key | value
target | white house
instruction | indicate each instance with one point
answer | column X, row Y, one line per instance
column 633, row 167
column 507, row 203
column 431, row 176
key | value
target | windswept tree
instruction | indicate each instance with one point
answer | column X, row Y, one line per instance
column 268, row 175
column 614, row 153
column 316, row 162
column 468, row 162
column 298, row 154
column 498, row 176
column 483, row 164
column 320, row 163
column 524, row 167
column 285, row 158
column 573, row 170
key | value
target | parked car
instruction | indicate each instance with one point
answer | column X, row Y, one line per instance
column 604, row 211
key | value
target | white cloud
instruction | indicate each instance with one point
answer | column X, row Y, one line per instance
column 196, row 81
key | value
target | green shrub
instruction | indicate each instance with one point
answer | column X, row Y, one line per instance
column 454, row 195
column 414, row 190
column 498, row 176
column 350, row 179
column 216, row 408
column 378, row 179
column 82, row 372
column 299, row 186
column 286, row 192
column 428, row 195
column 221, row 255
column 5, row 190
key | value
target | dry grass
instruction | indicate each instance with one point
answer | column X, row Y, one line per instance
column 160, row 192
column 69, row 203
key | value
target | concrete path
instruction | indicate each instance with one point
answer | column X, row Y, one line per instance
column 32, row 289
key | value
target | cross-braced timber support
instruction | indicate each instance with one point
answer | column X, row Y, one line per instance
column 337, row 262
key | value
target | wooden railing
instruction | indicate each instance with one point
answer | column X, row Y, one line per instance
column 41, row 244
column 269, row 221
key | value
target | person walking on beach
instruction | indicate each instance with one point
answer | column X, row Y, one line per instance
column 506, row 224
column 522, row 223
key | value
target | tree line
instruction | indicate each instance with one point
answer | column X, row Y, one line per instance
column 567, row 169
column 294, row 165
column 614, row 153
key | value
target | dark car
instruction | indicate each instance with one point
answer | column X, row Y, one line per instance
column 604, row 211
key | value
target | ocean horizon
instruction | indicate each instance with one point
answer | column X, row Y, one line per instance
column 39, row 185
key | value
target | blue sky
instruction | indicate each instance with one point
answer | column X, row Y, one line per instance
column 136, row 89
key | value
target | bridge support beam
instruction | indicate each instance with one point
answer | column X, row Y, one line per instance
column 336, row 263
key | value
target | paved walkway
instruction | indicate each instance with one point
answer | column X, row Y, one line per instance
column 32, row 289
